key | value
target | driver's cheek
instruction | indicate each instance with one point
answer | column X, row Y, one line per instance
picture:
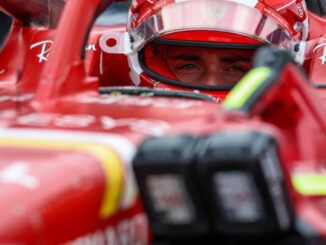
column 189, row 77
column 231, row 77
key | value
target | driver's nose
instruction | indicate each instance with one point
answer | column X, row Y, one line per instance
column 213, row 79
column 212, row 70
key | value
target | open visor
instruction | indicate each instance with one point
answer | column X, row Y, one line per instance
column 215, row 15
column 197, row 65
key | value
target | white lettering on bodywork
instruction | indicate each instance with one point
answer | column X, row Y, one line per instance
column 133, row 231
column 46, row 47
column 17, row 173
column 147, row 126
column 323, row 56
column 142, row 101
column 90, row 47
column 21, row 98
column 75, row 121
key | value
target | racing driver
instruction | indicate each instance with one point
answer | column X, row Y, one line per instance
column 207, row 45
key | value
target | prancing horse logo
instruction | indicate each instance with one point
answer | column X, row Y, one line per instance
column 212, row 13
column 46, row 47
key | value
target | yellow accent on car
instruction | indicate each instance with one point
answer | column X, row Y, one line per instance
column 109, row 160
column 246, row 87
column 310, row 184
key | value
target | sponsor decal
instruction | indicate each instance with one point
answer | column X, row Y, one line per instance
column 151, row 10
column 323, row 56
column 300, row 10
column 213, row 13
column 46, row 47
column 132, row 231
column 17, row 173
column 21, row 98
column 142, row 101
column 146, row 126
column 280, row 4
column 90, row 47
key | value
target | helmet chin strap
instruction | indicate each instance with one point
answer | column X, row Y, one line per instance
column 305, row 50
column 135, row 69
column 300, row 49
column 298, row 52
column 305, row 29
column 120, row 43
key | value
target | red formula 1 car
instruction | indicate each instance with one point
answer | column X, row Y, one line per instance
column 66, row 149
column 251, row 168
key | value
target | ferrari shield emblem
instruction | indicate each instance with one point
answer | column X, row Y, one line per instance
column 213, row 13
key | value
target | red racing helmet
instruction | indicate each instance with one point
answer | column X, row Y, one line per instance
column 207, row 45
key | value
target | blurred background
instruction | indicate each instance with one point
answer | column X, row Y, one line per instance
column 5, row 22
column 116, row 14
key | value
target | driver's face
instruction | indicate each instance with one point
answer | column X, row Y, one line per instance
column 208, row 66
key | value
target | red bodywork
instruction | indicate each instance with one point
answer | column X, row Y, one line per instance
column 65, row 170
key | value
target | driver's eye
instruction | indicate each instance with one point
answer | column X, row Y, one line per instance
column 236, row 68
column 188, row 67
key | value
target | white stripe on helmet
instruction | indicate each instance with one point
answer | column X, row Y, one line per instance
column 249, row 3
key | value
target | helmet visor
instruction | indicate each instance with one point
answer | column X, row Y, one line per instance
column 198, row 67
column 216, row 15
